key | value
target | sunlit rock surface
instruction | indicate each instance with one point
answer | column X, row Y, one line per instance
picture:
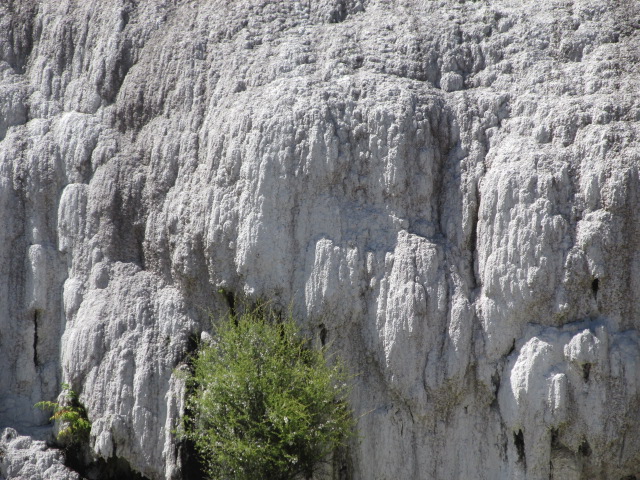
column 447, row 192
column 22, row 457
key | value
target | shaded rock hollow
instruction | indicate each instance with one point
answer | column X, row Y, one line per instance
column 448, row 190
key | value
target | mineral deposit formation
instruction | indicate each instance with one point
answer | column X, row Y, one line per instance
column 446, row 192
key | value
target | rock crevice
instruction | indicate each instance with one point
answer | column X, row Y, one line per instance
column 445, row 192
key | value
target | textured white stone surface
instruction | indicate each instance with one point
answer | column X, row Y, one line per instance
column 23, row 458
column 448, row 190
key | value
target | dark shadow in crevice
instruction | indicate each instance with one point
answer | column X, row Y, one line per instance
column 555, row 439
column 495, row 383
column 80, row 458
column 112, row 469
column 192, row 467
column 187, row 456
column 584, row 449
column 323, row 334
column 518, row 440
column 36, row 318
column 342, row 465
column 473, row 243
column 231, row 301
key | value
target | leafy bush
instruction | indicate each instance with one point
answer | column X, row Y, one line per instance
column 264, row 404
column 75, row 425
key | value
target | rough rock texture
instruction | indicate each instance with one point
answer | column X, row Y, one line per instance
column 448, row 191
column 21, row 457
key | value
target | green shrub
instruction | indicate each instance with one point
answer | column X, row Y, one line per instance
column 264, row 405
column 75, row 425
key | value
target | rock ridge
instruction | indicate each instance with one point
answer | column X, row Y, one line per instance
column 446, row 191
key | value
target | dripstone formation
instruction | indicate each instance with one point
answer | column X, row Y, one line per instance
column 446, row 192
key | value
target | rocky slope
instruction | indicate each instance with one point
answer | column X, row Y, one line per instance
column 448, row 191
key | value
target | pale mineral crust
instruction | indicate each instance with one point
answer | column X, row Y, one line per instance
column 22, row 457
column 446, row 192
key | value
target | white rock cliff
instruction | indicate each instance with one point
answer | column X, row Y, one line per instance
column 448, row 191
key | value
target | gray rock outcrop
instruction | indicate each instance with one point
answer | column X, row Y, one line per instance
column 448, row 191
column 23, row 457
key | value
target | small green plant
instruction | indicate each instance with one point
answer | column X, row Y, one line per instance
column 75, row 425
column 263, row 403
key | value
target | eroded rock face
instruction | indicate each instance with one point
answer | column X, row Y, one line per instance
column 447, row 191
column 22, row 457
